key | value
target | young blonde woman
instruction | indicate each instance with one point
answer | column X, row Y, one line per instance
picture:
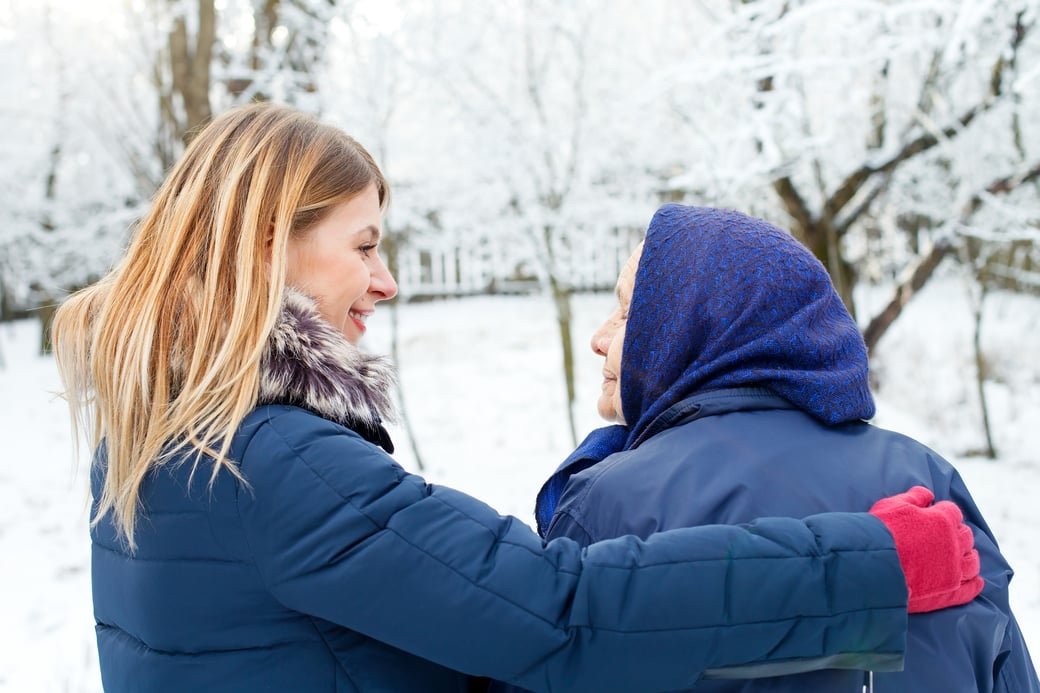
column 251, row 532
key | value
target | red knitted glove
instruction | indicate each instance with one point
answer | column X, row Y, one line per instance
column 936, row 549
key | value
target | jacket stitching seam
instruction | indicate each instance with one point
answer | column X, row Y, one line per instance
column 332, row 652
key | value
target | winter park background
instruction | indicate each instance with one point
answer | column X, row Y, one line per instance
column 481, row 379
column 528, row 142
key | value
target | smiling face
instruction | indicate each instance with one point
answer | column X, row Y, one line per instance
column 609, row 339
column 337, row 263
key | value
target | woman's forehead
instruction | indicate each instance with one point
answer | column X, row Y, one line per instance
column 627, row 278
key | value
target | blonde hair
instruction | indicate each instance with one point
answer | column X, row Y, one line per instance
column 161, row 357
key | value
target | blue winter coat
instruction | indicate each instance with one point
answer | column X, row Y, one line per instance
column 744, row 385
column 330, row 568
column 736, row 454
column 338, row 571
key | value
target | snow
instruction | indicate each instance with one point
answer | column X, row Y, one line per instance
column 481, row 382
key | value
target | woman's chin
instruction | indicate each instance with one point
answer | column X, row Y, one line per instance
column 606, row 411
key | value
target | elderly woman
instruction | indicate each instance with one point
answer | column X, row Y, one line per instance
column 739, row 383
column 251, row 532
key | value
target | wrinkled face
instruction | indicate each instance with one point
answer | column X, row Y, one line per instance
column 337, row 262
column 608, row 340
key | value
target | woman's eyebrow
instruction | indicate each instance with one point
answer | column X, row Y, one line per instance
column 371, row 229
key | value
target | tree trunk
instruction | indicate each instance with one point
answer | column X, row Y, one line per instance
column 402, row 408
column 46, row 312
column 6, row 309
column 5, row 315
column 980, row 375
column 561, row 295
column 48, row 223
column 820, row 236
column 825, row 243
column 389, row 245
column 190, row 67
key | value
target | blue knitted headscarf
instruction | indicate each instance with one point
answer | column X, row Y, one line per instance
column 724, row 300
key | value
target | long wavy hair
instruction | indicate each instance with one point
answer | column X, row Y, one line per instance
column 161, row 356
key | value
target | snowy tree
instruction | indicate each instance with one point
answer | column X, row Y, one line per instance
column 112, row 92
column 887, row 135
column 208, row 56
column 877, row 128
column 275, row 50
column 64, row 192
column 533, row 152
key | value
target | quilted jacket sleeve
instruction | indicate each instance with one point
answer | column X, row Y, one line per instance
column 340, row 531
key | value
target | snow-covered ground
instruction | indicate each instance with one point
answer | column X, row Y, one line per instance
column 482, row 386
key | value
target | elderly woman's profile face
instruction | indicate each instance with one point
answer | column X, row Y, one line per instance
column 337, row 263
column 609, row 339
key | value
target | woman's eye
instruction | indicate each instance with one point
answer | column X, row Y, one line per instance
column 366, row 249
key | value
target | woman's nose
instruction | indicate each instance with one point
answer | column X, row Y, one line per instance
column 601, row 339
column 383, row 283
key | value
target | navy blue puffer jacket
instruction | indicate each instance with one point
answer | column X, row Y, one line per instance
column 333, row 569
column 736, row 454
column 338, row 571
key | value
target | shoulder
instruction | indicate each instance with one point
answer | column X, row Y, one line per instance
column 918, row 462
column 636, row 473
column 638, row 469
column 616, row 496
column 282, row 448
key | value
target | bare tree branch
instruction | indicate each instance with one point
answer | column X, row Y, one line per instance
column 880, row 323
column 845, row 222
column 924, row 142
column 927, row 266
column 793, row 203
column 1001, row 186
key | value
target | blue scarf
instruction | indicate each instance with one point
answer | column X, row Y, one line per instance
column 725, row 300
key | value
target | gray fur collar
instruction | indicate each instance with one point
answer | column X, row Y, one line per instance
column 309, row 364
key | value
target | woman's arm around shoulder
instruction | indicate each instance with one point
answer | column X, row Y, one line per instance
column 340, row 531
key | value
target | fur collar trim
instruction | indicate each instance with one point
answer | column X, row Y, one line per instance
column 309, row 364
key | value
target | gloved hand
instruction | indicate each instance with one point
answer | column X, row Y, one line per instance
column 936, row 549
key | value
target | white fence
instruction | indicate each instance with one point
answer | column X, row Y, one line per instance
column 444, row 266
